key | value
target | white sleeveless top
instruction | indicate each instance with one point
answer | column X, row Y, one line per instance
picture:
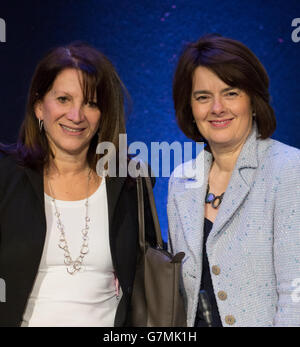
column 87, row 298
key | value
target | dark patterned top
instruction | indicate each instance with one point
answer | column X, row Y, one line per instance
column 206, row 284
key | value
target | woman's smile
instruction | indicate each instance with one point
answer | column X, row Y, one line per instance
column 221, row 124
column 71, row 130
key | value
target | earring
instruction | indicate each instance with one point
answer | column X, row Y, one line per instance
column 41, row 124
column 253, row 114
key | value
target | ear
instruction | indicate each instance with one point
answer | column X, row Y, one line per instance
column 38, row 110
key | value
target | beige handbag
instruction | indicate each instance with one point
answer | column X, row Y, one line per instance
column 156, row 299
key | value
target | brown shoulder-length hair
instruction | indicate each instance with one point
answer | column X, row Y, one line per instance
column 99, row 78
column 233, row 63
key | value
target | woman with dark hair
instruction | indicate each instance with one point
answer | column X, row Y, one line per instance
column 68, row 236
column 239, row 226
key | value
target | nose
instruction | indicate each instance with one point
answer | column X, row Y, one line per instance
column 76, row 114
column 218, row 108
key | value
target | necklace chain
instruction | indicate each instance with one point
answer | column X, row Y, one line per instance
column 73, row 266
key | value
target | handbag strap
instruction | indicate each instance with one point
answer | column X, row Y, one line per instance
column 141, row 214
column 159, row 240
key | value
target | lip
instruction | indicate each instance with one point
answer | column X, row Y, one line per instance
column 221, row 123
column 78, row 132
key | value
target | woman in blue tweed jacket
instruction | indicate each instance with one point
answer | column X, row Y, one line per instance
column 238, row 218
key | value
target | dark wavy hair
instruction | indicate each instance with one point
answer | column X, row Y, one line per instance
column 236, row 65
column 99, row 77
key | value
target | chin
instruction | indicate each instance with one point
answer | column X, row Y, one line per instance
column 221, row 141
column 72, row 149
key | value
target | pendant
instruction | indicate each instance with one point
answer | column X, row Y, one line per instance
column 210, row 198
column 72, row 270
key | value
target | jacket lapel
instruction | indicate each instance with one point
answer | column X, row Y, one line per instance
column 37, row 181
column 38, row 226
column 113, row 186
column 240, row 182
column 190, row 204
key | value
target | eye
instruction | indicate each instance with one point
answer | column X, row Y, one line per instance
column 202, row 98
column 92, row 104
column 62, row 99
column 231, row 94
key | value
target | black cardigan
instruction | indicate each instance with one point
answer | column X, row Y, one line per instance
column 23, row 230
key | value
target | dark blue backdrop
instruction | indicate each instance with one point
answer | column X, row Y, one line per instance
column 143, row 39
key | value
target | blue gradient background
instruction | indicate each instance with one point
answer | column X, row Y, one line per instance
column 143, row 39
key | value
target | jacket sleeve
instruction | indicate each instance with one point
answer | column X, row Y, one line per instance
column 287, row 241
column 7, row 169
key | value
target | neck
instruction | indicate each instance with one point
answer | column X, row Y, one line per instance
column 226, row 157
column 224, row 160
column 67, row 165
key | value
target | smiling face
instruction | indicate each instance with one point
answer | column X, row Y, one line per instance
column 223, row 114
column 69, row 123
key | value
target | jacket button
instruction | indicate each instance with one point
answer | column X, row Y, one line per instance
column 222, row 295
column 230, row 320
column 216, row 270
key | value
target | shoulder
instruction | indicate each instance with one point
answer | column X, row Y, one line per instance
column 179, row 176
column 279, row 157
column 8, row 164
column 10, row 171
column 276, row 148
column 138, row 167
column 191, row 173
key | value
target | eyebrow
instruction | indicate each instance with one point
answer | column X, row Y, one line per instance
column 55, row 92
column 197, row 92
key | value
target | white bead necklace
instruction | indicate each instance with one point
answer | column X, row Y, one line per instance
column 76, row 265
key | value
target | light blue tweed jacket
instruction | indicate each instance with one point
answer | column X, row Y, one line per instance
column 255, row 239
